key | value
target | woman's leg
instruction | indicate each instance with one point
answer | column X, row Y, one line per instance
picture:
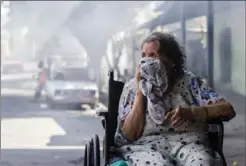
column 196, row 154
column 145, row 155
column 149, row 158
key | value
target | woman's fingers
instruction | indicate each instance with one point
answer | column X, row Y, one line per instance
column 182, row 124
column 176, row 121
column 169, row 115
column 175, row 115
column 138, row 73
column 179, row 123
column 172, row 115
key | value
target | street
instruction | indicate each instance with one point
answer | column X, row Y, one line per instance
column 34, row 135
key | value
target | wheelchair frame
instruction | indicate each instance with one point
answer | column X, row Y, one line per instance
column 109, row 122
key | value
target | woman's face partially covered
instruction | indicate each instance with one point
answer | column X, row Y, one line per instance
column 150, row 49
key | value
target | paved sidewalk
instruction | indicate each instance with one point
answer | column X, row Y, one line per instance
column 234, row 141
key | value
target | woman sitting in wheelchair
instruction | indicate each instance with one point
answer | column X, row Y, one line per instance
column 172, row 129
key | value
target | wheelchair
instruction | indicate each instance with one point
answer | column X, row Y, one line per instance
column 109, row 122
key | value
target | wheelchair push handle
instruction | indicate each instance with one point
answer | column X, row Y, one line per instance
column 111, row 74
column 102, row 113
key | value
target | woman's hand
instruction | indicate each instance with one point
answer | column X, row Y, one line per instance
column 138, row 74
column 180, row 117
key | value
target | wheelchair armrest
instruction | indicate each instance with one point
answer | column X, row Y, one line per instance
column 216, row 126
column 218, row 120
column 214, row 121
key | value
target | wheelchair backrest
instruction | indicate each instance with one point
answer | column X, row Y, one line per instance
column 115, row 90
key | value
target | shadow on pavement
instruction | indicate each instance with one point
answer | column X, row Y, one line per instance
column 40, row 157
column 79, row 131
column 13, row 105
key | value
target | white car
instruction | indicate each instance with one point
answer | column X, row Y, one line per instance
column 72, row 86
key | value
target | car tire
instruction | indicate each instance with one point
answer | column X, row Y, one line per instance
column 93, row 106
column 51, row 104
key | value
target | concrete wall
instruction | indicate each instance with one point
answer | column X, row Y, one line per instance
column 235, row 20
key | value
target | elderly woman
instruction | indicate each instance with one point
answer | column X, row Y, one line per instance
column 181, row 139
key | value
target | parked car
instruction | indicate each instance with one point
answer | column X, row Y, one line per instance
column 71, row 86
column 12, row 67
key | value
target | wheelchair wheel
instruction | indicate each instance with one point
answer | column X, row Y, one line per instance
column 85, row 156
column 96, row 150
column 89, row 154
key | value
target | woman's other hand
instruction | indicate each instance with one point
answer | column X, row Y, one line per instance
column 180, row 117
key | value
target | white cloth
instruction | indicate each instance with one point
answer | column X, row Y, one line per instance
column 153, row 85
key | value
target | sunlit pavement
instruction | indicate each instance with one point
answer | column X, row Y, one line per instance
column 32, row 134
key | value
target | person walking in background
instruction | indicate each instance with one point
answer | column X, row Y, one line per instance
column 41, row 80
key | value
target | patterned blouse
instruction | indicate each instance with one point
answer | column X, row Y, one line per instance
column 202, row 94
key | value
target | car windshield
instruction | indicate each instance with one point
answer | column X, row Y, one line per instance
column 75, row 74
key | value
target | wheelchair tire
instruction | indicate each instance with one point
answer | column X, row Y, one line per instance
column 89, row 156
column 85, row 156
column 96, row 150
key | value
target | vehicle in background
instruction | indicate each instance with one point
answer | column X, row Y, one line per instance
column 12, row 67
column 30, row 66
column 71, row 86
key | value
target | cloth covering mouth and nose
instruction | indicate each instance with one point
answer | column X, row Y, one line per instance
column 154, row 84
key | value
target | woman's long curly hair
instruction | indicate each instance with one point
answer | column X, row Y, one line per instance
column 170, row 48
